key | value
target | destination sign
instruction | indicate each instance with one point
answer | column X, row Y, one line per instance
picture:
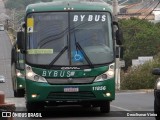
column 89, row 18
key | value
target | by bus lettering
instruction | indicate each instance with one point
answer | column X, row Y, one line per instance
column 58, row 73
column 89, row 18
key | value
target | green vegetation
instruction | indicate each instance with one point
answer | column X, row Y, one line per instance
column 141, row 38
column 140, row 77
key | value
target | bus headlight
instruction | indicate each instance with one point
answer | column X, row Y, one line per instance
column 158, row 85
column 30, row 75
column 19, row 74
column 107, row 75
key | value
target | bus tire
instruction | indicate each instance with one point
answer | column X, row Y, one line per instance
column 105, row 107
column 156, row 110
column 19, row 93
column 34, row 106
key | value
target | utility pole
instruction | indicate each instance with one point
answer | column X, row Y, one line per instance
column 115, row 9
column 117, row 74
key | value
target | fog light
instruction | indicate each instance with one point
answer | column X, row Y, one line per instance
column 108, row 94
column 34, row 95
column 20, row 85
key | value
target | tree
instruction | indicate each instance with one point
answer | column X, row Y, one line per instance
column 141, row 38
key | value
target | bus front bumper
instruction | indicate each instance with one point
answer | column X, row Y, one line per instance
column 44, row 92
column 20, row 83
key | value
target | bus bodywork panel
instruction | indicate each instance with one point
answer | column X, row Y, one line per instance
column 86, row 92
column 20, row 82
column 62, row 5
column 79, row 87
column 69, row 53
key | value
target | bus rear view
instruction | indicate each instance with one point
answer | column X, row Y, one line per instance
column 69, row 54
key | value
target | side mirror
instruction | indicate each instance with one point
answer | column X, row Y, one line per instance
column 119, row 34
column 119, row 37
column 156, row 71
column 119, row 52
column 20, row 40
column 13, row 54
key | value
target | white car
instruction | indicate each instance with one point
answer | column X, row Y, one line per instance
column 1, row 27
column 2, row 79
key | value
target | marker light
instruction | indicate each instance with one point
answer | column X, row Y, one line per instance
column 20, row 86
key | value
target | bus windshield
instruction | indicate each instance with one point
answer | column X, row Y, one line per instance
column 69, row 38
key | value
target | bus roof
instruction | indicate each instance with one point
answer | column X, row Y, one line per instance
column 65, row 5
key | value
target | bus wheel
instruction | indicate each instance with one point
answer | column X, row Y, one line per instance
column 35, row 106
column 156, row 111
column 105, row 107
column 19, row 93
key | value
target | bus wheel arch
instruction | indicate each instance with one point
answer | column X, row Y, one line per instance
column 105, row 107
column 19, row 93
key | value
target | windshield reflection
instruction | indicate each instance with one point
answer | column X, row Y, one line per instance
column 80, row 39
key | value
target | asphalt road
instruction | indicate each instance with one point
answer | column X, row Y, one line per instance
column 5, row 66
column 126, row 103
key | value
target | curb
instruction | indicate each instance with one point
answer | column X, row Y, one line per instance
column 10, row 37
column 139, row 90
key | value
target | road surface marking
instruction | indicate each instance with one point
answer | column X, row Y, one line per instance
column 124, row 93
column 120, row 108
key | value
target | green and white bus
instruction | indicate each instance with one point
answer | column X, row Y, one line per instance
column 69, row 48
column 17, row 72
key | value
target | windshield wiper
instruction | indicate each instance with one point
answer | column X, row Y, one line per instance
column 59, row 55
column 85, row 56
column 80, row 48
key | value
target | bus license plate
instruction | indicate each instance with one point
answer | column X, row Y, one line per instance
column 71, row 89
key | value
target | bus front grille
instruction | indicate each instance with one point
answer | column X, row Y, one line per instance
column 70, row 80
column 71, row 96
